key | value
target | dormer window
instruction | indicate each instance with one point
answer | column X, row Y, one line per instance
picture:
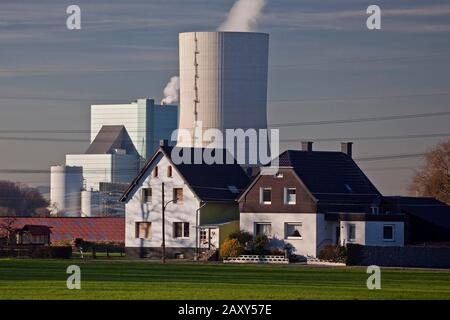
column 375, row 210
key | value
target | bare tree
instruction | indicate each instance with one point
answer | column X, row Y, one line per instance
column 433, row 179
column 7, row 229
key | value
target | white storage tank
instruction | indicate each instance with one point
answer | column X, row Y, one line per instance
column 223, row 80
column 66, row 183
column 90, row 203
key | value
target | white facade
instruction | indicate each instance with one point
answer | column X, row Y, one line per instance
column 145, row 122
column 66, row 184
column 113, row 168
column 370, row 233
column 139, row 211
column 316, row 232
column 223, row 80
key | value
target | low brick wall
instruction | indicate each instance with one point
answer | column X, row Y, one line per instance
column 408, row 256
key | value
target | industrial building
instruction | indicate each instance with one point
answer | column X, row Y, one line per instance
column 122, row 137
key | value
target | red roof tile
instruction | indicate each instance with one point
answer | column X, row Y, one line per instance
column 89, row 229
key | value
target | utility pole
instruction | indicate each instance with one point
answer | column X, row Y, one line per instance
column 163, row 244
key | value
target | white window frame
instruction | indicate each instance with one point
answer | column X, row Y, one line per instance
column 183, row 236
column 261, row 195
column 286, row 236
column 349, row 227
column 286, row 200
column 263, row 223
column 393, row 232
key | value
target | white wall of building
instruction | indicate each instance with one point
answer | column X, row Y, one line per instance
column 104, row 168
column 374, row 233
column 136, row 211
column 312, row 229
column 146, row 122
column 370, row 233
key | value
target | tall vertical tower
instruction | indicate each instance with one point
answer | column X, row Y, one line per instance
column 223, row 80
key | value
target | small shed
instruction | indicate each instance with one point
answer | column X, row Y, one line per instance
column 33, row 234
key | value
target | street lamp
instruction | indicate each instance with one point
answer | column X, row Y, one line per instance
column 163, row 244
column 197, row 212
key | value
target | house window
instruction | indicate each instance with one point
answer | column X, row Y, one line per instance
column 155, row 172
column 351, row 232
column 177, row 195
column 290, row 196
column 266, row 195
column 203, row 235
column 143, row 230
column 146, row 195
column 181, row 230
column 388, row 232
column 375, row 210
column 263, row 229
column 169, row 171
column 293, row 230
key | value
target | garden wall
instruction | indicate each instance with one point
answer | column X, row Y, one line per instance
column 408, row 256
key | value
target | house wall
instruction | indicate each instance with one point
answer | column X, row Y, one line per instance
column 304, row 203
column 136, row 211
column 371, row 233
column 217, row 211
column 374, row 233
column 226, row 229
column 307, row 245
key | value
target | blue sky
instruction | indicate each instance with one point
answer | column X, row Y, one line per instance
column 324, row 65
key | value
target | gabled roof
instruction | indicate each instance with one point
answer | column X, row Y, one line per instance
column 332, row 178
column 209, row 182
column 425, row 208
column 109, row 138
column 67, row 228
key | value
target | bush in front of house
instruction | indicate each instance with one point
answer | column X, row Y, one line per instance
column 260, row 243
column 231, row 248
column 333, row 253
column 242, row 236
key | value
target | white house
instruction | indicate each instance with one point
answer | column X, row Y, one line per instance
column 318, row 198
column 199, row 200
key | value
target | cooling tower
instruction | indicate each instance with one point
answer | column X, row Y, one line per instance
column 223, row 80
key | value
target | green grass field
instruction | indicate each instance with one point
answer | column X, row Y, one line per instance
column 123, row 279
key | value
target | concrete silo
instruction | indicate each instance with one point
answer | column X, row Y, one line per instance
column 90, row 203
column 223, row 80
column 66, row 183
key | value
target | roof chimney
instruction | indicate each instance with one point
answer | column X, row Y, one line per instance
column 346, row 147
column 307, row 146
column 163, row 143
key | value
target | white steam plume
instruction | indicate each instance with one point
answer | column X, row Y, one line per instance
column 171, row 91
column 243, row 16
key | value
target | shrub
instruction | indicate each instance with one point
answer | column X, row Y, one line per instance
column 333, row 253
column 260, row 243
column 231, row 248
column 242, row 236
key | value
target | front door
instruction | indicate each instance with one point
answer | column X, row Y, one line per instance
column 209, row 238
